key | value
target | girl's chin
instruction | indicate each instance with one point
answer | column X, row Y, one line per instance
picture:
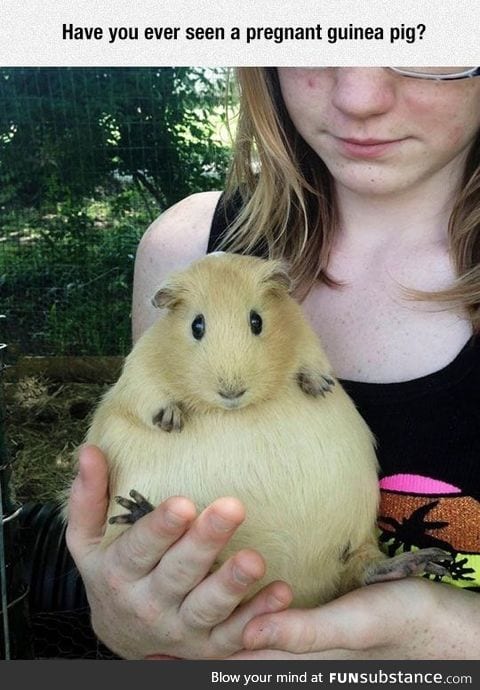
column 373, row 185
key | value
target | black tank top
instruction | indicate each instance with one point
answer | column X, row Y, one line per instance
column 428, row 436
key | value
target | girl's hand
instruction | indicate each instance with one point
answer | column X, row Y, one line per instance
column 150, row 591
column 407, row 619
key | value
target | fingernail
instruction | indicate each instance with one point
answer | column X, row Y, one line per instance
column 242, row 577
column 173, row 519
column 221, row 524
column 275, row 603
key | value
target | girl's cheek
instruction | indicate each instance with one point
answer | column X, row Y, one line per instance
column 299, row 83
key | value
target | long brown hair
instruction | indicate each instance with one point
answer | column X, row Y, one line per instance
column 288, row 199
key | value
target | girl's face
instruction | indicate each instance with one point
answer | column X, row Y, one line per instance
column 379, row 132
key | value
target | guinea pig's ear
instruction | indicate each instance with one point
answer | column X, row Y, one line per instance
column 168, row 296
column 277, row 278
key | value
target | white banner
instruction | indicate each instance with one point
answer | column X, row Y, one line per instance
column 250, row 32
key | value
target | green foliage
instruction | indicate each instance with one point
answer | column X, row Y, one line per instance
column 67, row 280
column 66, row 131
column 88, row 158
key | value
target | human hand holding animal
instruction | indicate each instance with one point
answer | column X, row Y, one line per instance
column 412, row 618
column 148, row 590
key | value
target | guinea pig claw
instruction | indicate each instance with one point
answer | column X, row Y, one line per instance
column 169, row 418
column 314, row 382
column 433, row 561
column 435, row 569
column 138, row 508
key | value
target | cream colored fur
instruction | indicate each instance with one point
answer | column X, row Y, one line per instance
column 304, row 466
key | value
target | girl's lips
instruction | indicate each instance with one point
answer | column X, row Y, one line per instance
column 366, row 148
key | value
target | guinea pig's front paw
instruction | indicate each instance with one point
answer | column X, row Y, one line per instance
column 314, row 383
column 137, row 508
column 169, row 418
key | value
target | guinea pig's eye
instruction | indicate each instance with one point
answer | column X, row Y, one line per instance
column 256, row 323
column 198, row 327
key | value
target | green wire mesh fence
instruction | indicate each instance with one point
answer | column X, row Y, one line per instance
column 89, row 157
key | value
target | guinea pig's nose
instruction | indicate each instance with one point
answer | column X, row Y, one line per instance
column 232, row 394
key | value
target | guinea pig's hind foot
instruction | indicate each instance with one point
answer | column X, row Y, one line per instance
column 314, row 383
column 433, row 561
column 138, row 508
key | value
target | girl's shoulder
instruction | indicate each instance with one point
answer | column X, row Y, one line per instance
column 184, row 226
column 176, row 238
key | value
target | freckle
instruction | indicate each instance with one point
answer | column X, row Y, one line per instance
column 310, row 83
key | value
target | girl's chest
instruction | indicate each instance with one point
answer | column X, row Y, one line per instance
column 373, row 333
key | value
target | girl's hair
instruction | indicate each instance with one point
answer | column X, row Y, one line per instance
column 288, row 202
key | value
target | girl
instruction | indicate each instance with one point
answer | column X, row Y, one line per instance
column 367, row 180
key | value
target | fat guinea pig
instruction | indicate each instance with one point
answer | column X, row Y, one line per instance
column 230, row 393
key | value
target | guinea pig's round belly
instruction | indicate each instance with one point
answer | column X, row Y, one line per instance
column 304, row 468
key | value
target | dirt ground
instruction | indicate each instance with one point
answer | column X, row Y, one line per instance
column 45, row 421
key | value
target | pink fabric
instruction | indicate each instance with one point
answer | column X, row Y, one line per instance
column 416, row 484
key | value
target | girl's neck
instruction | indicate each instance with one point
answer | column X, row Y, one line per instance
column 409, row 218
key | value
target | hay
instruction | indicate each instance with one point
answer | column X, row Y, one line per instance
column 45, row 422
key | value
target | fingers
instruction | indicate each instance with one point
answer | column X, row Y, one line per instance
column 337, row 625
column 209, row 605
column 217, row 596
column 367, row 623
column 294, row 631
column 192, row 557
column 88, row 502
column 276, row 597
column 139, row 549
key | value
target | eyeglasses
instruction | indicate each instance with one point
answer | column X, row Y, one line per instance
column 438, row 73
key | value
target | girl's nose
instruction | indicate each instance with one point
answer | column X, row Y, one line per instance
column 361, row 92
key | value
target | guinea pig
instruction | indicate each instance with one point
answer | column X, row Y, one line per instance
column 230, row 393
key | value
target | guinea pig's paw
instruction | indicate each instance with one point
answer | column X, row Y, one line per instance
column 137, row 508
column 432, row 561
column 170, row 417
column 313, row 382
